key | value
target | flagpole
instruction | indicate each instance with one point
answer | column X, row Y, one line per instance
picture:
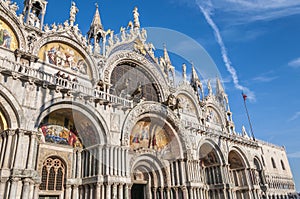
column 250, row 124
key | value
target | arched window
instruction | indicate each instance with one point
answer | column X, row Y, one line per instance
column 282, row 165
column 273, row 163
column 129, row 81
column 53, row 175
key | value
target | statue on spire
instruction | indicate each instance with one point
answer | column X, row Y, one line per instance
column 209, row 88
column 73, row 11
column 136, row 20
column 184, row 72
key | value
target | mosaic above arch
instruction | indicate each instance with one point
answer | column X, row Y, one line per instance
column 60, row 135
column 64, row 56
column 8, row 38
column 146, row 134
column 68, row 127
column 155, row 134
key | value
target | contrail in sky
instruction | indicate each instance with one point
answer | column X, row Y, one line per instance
column 206, row 10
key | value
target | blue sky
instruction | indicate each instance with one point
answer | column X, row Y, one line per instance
column 261, row 43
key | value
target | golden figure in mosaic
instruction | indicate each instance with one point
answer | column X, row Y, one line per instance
column 64, row 56
column 60, row 135
column 7, row 37
column 148, row 135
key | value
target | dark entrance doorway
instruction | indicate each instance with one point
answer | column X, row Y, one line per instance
column 138, row 191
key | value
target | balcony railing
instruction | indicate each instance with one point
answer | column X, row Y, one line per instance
column 21, row 71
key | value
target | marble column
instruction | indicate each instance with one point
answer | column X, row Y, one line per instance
column 92, row 191
column 75, row 194
column 153, row 192
column 161, row 192
column 98, row 191
column 121, row 191
column 177, row 173
column 31, row 151
column 99, row 165
column 31, row 189
column 86, row 191
column 2, row 187
column 107, row 160
column 176, row 192
column 13, row 188
column 115, row 191
column 74, row 164
column 79, row 159
column 183, row 171
column 36, row 191
column 184, row 192
column 68, row 191
column 8, row 150
column 127, row 195
column 108, row 191
column 168, row 192
column 25, row 191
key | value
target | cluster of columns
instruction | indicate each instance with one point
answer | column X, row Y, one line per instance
column 100, row 190
column 14, row 161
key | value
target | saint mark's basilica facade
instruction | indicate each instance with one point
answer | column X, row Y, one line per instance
column 100, row 117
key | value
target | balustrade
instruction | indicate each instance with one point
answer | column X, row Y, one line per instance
column 22, row 71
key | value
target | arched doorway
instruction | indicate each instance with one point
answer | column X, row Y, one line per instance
column 78, row 137
column 238, row 174
column 211, row 169
column 149, row 178
column 155, row 147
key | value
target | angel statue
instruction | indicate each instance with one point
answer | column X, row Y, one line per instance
column 73, row 11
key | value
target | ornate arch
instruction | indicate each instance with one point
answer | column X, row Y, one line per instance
column 130, row 56
column 152, row 164
column 259, row 163
column 11, row 107
column 93, row 116
column 218, row 111
column 215, row 147
column 187, row 91
column 15, row 25
column 63, row 39
column 242, row 155
column 146, row 109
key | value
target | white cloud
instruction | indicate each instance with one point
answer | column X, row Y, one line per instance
column 206, row 8
column 295, row 116
column 244, row 11
column 294, row 155
column 264, row 78
column 295, row 63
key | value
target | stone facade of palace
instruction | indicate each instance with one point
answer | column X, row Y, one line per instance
column 100, row 117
